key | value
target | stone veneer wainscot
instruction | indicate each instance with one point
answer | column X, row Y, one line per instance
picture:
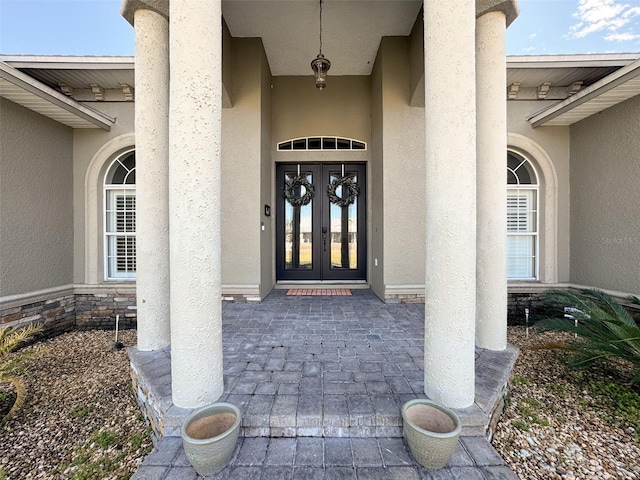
column 62, row 313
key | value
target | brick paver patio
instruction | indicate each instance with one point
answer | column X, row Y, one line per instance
column 320, row 381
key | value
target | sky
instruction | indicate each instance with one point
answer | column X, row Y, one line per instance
column 95, row 27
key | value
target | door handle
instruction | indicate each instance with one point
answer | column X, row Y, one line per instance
column 324, row 238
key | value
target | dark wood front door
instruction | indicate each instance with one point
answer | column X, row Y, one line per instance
column 321, row 235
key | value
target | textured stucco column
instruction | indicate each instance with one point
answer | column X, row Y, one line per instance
column 152, row 179
column 491, row 276
column 194, row 194
column 450, row 132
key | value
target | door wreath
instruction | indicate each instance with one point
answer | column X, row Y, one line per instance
column 349, row 193
column 291, row 191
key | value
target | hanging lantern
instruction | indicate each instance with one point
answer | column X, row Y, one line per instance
column 320, row 65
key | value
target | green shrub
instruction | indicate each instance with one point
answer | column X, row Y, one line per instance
column 604, row 331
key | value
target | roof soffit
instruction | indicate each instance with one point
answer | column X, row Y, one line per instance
column 557, row 77
column 607, row 92
column 548, row 77
column 289, row 29
column 32, row 94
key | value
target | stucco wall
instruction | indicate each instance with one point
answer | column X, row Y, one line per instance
column 605, row 199
column 36, row 203
column 548, row 150
column 403, row 170
column 241, row 170
column 416, row 62
column 227, row 66
column 299, row 109
column 376, row 204
column 267, row 276
column 92, row 150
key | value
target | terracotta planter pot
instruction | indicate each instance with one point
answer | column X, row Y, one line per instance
column 432, row 432
column 210, row 435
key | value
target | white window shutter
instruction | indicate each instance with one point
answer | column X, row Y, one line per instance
column 521, row 234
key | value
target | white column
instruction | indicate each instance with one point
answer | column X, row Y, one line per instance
column 194, row 194
column 152, row 179
column 450, row 132
column 491, row 276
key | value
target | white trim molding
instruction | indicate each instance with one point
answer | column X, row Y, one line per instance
column 18, row 300
column 241, row 289
column 394, row 290
column 93, row 186
column 113, row 288
column 548, row 183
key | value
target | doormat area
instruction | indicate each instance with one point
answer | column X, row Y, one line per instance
column 318, row 291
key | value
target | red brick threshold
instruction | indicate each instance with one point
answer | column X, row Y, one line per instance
column 318, row 291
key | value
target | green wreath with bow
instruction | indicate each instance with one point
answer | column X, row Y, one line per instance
column 349, row 192
column 291, row 191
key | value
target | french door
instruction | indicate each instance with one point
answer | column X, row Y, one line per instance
column 320, row 221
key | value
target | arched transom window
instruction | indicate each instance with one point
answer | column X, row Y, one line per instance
column 522, row 219
column 322, row 143
column 120, row 218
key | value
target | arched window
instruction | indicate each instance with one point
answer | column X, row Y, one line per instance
column 522, row 219
column 120, row 218
column 322, row 143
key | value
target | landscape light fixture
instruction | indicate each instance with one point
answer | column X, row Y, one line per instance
column 320, row 65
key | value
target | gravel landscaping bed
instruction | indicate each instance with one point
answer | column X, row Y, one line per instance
column 81, row 421
column 561, row 423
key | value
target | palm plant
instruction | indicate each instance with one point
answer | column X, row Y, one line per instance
column 11, row 339
column 604, row 329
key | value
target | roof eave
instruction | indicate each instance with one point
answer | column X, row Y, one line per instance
column 90, row 118
column 69, row 62
column 616, row 79
column 572, row 60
